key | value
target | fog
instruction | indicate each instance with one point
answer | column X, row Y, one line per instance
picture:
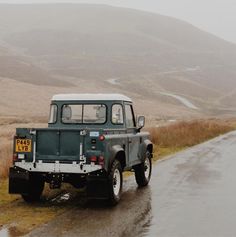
column 215, row 16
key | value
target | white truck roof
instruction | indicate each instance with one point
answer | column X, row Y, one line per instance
column 94, row 97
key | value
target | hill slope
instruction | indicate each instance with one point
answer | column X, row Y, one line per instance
column 122, row 50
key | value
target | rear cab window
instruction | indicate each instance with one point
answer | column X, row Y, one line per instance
column 84, row 114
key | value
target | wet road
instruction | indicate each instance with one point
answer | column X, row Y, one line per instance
column 191, row 194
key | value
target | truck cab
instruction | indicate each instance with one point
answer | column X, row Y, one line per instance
column 91, row 139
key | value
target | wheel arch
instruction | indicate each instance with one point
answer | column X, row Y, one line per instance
column 148, row 146
column 118, row 153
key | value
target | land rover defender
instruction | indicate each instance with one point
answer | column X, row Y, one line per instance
column 91, row 139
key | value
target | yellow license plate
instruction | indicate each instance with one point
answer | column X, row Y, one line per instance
column 23, row 145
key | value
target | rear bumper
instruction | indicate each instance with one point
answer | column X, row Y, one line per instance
column 58, row 167
column 20, row 183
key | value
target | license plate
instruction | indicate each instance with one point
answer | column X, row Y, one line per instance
column 23, row 145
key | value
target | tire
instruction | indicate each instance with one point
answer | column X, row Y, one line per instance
column 143, row 171
column 36, row 186
column 115, row 183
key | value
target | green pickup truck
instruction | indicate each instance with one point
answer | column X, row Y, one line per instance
column 90, row 141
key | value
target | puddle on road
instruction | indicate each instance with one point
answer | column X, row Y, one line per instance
column 11, row 231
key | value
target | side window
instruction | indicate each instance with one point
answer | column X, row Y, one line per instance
column 130, row 122
column 53, row 114
column 117, row 114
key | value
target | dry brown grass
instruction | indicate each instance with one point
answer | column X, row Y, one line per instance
column 5, row 160
column 22, row 120
column 7, row 130
column 178, row 136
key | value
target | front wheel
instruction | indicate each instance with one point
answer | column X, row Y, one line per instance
column 115, row 181
column 143, row 171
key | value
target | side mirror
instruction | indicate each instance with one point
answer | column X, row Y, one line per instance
column 141, row 122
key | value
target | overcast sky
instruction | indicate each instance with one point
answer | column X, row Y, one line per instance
column 215, row 16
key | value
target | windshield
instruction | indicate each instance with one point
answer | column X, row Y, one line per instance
column 84, row 113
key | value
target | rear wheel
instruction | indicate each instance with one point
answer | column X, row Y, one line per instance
column 78, row 182
column 36, row 186
column 143, row 171
column 115, row 181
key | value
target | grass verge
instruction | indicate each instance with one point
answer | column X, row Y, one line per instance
column 5, row 160
column 21, row 217
column 178, row 136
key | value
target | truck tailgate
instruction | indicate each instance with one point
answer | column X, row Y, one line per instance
column 58, row 145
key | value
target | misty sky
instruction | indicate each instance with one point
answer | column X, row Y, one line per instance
column 215, row 16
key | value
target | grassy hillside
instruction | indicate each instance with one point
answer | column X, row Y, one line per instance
column 146, row 53
column 15, row 65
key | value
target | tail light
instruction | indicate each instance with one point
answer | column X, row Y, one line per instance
column 98, row 160
column 15, row 157
column 93, row 159
column 101, row 160
column 101, row 138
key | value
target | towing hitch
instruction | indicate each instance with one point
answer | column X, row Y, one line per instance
column 55, row 180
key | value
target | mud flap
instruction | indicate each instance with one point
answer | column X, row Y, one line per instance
column 97, row 187
column 18, row 181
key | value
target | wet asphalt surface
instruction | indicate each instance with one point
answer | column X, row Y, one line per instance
column 192, row 193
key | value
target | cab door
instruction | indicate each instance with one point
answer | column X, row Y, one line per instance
column 132, row 135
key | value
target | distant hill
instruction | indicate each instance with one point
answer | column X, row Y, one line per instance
column 22, row 68
column 118, row 49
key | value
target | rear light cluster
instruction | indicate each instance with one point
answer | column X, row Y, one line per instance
column 101, row 138
column 98, row 160
column 17, row 157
